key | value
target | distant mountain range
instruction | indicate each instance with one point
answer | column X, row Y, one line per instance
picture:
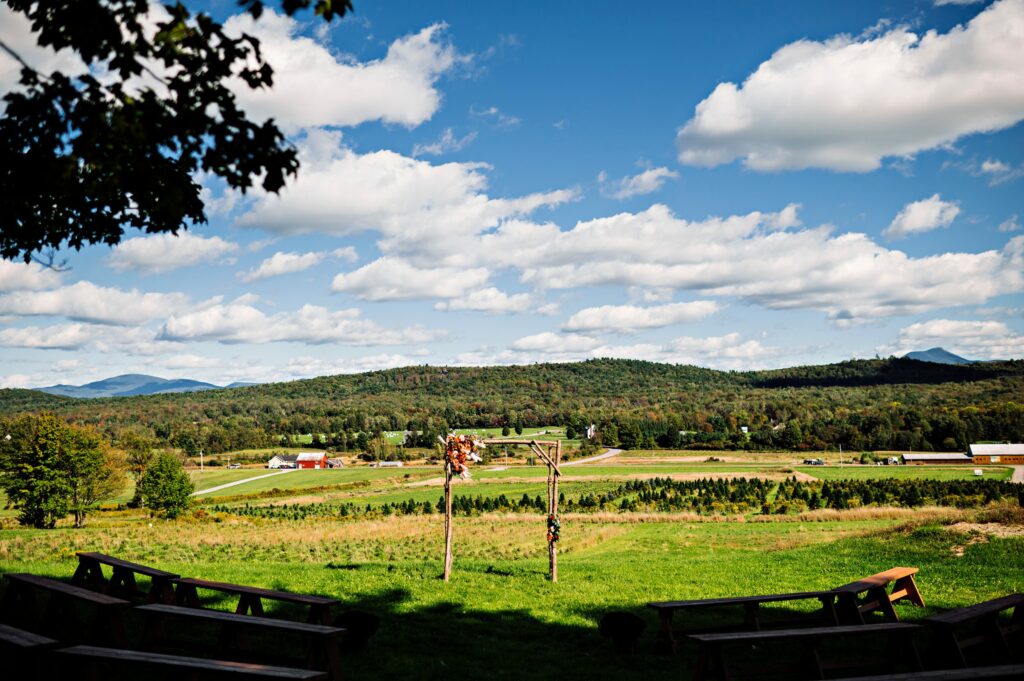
column 127, row 385
column 937, row 355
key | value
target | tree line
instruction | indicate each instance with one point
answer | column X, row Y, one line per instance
column 881, row 404
column 51, row 469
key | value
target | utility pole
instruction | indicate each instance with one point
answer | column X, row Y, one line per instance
column 200, row 460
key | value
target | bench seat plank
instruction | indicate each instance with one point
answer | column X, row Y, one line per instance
column 739, row 600
column 226, row 667
column 972, row 612
column 816, row 632
column 77, row 592
column 257, row 591
column 234, row 618
column 19, row 638
column 126, row 565
column 1003, row 671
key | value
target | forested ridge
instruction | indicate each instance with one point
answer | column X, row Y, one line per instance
column 860, row 404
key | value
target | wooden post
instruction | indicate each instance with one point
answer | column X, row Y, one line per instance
column 553, row 475
column 447, row 521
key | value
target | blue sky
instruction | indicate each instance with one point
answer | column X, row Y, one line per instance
column 736, row 185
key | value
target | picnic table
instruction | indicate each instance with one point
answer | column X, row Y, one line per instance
column 751, row 610
column 122, row 582
column 321, row 642
column 250, row 598
column 958, row 631
column 813, row 663
column 108, row 623
column 871, row 594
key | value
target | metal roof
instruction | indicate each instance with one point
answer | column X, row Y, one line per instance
column 997, row 450
column 289, row 458
column 311, row 456
column 937, row 457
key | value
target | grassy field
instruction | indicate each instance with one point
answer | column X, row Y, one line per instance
column 507, row 617
column 905, row 472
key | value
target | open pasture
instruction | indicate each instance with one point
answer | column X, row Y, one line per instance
column 511, row 622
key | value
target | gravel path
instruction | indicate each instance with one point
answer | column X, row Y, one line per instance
column 241, row 482
column 609, row 453
column 1018, row 475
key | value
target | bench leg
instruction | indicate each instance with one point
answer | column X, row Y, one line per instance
column 849, row 610
column 750, row 616
column 122, row 582
column 881, row 596
column 945, row 646
column 161, row 591
column 828, row 611
column 89, row 573
column 908, row 585
column 247, row 603
column 329, row 655
column 186, row 595
column 665, row 636
column 319, row 614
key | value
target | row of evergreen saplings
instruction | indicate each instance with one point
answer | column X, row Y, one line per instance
column 705, row 497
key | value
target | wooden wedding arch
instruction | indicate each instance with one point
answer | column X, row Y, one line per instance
column 550, row 452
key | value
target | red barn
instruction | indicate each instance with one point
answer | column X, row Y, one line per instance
column 311, row 460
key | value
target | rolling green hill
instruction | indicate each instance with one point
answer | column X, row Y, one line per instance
column 862, row 404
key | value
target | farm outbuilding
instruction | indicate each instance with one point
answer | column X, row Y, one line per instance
column 311, row 460
column 934, row 457
column 282, row 461
column 1009, row 453
column 335, row 463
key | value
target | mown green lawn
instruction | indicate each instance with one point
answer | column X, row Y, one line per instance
column 506, row 620
column 905, row 472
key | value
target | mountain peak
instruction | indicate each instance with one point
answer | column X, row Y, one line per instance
column 937, row 355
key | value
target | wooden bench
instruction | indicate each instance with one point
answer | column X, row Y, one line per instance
column 1003, row 672
column 89, row 574
column 711, row 659
column 108, row 623
column 21, row 651
column 751, row 610
column 987, row 629
column 322, row 642
column 102, row 664
column 856, row 599
column 250, row 598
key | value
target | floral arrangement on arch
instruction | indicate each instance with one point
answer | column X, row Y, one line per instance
column 459, row 449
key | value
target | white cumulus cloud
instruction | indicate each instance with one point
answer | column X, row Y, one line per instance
column 648, row 181
column 315, row 87
column 417, row 207
column 395, row 279
column 493, row 301
column 970, row 339
column 20, row 276
column 631, row 318
column 288, row 263
column 922, row 216
column 162, row 253
column 310, row 324
column 87, row 302
column 848, row 102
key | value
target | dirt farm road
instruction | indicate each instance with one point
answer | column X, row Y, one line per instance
column 241, row 482
column 609, row 453
column 1018, row 475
